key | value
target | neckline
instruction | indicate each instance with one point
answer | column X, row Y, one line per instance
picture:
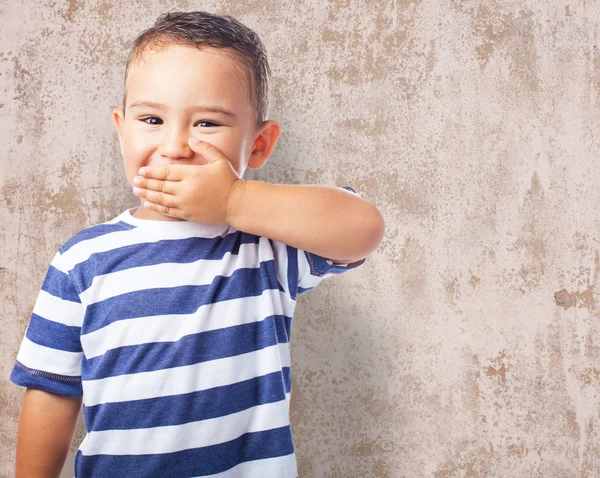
column 173, row 228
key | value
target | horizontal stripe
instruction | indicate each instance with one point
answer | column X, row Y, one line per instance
column 53, row 383
column 49, row 359
column 278, row 467
column 53, row 335
column 203, row 433
column 58, row 284
column 168, row 274
column 186, row 250
column 82, row 251
column 169, row 328
column 182, row 299
column 58, row 310
column 95, row 231
column 190, row 378
column 191, row 349
column 178, row 338
column 207, row 461
column 190, row 407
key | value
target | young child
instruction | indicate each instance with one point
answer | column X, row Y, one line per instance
column 171, row 323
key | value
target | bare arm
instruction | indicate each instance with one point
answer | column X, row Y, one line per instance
column 324, row 220
column 46, row 429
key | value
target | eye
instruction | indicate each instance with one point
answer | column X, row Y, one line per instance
column 151, row 118
column 207, row 124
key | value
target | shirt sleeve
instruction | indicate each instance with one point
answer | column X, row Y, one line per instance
column 299, row 271
column 50, row 355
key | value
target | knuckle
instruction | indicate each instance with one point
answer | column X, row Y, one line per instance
column 203, row 145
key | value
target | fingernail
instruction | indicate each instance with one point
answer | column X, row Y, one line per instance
column 194, row 140
column 136, row 190
column 137, row 180
column 142, row 171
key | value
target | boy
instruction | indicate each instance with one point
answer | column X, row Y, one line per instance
column 171, row 322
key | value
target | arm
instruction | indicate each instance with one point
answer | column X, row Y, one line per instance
column 327, row 221
column 331, row 222
column 46, row 429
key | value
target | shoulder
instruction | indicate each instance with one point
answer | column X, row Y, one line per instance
column 90, row 237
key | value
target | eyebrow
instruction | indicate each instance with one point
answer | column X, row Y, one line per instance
column 203, row 108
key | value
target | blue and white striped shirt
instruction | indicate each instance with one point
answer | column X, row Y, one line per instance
column 177, row 336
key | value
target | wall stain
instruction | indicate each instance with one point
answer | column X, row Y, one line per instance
column 564, row 299
column 498, row 367
column 474, row 281
column 531, row 241
column 74, row 7
column 452, row 289
column 426, row 110
column 584, row 299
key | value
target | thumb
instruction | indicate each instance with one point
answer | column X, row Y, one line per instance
column 209, row 153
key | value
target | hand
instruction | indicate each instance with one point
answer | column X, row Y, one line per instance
column 200, row 193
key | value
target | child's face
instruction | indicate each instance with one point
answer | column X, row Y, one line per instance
column 197, row 93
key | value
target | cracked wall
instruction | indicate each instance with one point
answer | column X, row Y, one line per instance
column 468, row 344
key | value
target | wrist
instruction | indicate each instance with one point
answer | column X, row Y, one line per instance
column 235, row 201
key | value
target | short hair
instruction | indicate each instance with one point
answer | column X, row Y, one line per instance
column 202, row 29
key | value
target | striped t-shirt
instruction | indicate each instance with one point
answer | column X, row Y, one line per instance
column 177, row 336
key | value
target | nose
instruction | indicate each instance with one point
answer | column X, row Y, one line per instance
column 174, row 143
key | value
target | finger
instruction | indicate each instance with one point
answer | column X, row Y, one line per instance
column 163, row 186
column 209, row 152
column 169, row 211
column 172, row 172
column 157, row 197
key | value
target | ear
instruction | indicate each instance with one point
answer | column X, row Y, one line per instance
column 119, row 119
column 266, row 139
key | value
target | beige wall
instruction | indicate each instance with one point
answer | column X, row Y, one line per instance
column 473, row 125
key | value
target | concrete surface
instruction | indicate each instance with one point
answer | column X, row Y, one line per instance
column 468, row 344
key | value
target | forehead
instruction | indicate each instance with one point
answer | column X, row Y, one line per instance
column 179, row 75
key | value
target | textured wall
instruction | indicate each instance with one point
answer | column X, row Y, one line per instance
column 473, row 125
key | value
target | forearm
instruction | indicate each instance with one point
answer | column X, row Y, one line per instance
column 331, row 222
column 46, row 429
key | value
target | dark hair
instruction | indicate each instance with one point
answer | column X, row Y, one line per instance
column 203, row 29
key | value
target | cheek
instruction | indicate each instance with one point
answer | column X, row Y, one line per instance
column 233, row 147
column 135, row 146
column 136, row 153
